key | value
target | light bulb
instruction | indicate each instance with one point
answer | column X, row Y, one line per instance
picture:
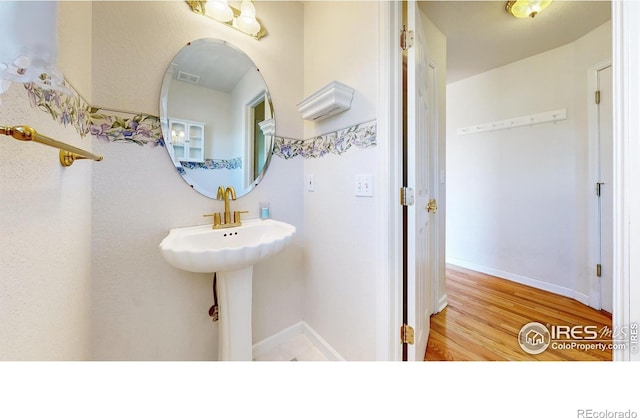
column 247, row 21
column 247, row 9
column 534, row 8
column 220, row 10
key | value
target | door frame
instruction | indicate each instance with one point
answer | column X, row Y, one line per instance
column 626, row 131
column 420, row 166
column 389, row 281
column 389, row 313
column 594, row 294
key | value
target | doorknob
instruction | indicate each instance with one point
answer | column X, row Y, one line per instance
column 432, row 206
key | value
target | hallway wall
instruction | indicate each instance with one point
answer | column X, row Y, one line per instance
column 517, row 197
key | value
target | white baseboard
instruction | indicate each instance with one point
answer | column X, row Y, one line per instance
column 279, row 338
column 269, row 343
column 442, row 303
column 320, row 343
column 538, row 284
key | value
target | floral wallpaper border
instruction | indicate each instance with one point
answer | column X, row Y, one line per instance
column 70, row 109
column 231, row 164
column 361, row 136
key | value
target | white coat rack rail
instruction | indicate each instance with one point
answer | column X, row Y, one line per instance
column 529, row 120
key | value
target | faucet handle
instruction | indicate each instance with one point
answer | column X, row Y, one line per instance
column 236, row 215
column 216, row 218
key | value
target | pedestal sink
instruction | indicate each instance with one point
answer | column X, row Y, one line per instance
column 231, row 253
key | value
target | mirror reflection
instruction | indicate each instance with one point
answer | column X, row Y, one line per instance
column 217, row 117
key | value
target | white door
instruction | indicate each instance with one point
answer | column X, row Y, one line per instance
column 605, row 199
column 419, row 172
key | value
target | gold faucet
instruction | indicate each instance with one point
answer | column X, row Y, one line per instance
column 225, row 221
column 224, row 195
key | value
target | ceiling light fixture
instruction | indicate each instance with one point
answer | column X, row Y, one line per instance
column 244, row 20
column 526, row 8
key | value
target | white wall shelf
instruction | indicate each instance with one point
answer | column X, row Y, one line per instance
column 330, row 100
column 529, row 120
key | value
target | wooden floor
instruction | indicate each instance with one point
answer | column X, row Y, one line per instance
column 485, row 314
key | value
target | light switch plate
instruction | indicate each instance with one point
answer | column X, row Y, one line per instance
column 363, row 185
column 311, row 183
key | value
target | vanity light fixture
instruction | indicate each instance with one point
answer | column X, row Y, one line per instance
column 526, row 8
column 244, row 20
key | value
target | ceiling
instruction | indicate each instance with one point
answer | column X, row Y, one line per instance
column 481, row 35
column 211, row 64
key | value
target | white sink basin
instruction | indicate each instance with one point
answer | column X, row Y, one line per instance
column 201, row 249
column 231, row 254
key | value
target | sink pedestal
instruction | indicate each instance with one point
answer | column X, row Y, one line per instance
column 234, row 326
column 232, row 253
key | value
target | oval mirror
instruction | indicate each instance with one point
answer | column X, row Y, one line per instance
column 217, row 117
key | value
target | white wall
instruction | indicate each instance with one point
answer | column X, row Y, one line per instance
column 517, row 198
column 143, row 309
column 45, row 224
column 207, row 106
column 341, row 230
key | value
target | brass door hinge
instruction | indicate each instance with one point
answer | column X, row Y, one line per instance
column 597, row 96
column 599, row 270
column 432, row 207
column 406, row 38
column 406, row 334
column 406, row 196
